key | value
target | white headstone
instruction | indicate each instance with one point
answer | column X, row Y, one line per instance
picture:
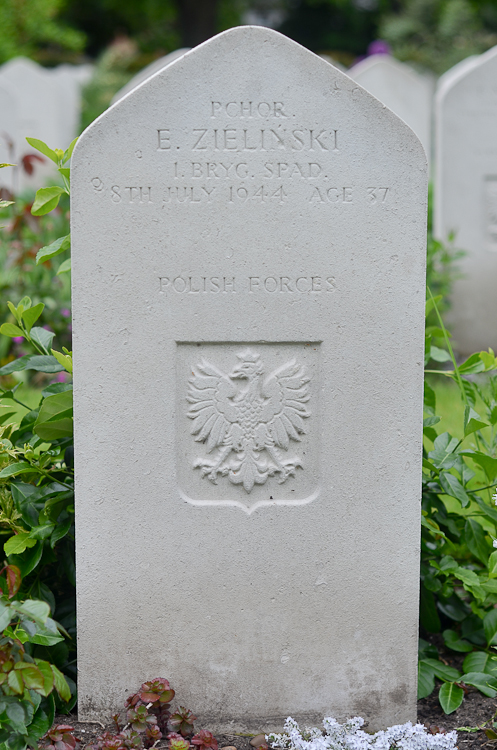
column 402, row 89
column 248, row 298
column 9, row 128
column 148, row 71
column 48, row 102
column 466, row 195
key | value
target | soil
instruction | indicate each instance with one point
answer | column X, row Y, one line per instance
column 474, row 711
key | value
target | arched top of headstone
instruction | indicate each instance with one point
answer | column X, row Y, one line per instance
column 465, row 72
column 244, row 60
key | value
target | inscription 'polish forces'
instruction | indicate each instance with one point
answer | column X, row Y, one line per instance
column 249, row 425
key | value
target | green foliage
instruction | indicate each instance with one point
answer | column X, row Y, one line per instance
column 37, row 484
column 437, row 34
column 30, row 27
column 459, row 524
column 27, row 683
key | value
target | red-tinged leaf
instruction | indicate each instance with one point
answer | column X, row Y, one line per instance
column 28, row 160
column 14, row 579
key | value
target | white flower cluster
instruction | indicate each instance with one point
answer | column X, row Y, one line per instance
column 350, row 736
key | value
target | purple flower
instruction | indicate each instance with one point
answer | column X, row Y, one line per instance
column 65, row 312
column 379, row 47
column 61, row 377
column 17, row 339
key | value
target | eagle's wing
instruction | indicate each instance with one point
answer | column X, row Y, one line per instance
column 287, row 392
column 210, row 407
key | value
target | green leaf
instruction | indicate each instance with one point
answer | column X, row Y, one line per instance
column 479, row 661
column 39, row 362
column 487, row 509
column 430, row 303
column 16, row 684
column 43, row 148
column 439, row 355
column 426, row 680
column 35, row 609
column 9, row 329
column 475, row 539
column 48, row 677
column 472, row 365
column 450, row 697
column 64, row 359
column 7, row 165
column 43, row 338
column 12, row 470
column 55, row 248
column 466, row 576
column 31, row 675
column 472, row 421
column 490, row 626
column 443, row 449
column 28, row 560
column 69, row 150
column 6, row 616
column 441, row 670
column 488, row 464
column 485, row 683
column 46, row 200
column 61, row 685
column 64, row 267
column 40, row 724
column 492, row 565
column 31, row 315
column 428, row 611
column 60, row 531
column 4, row 204
column 18, row 543
column 453, row 641
column 50, row 431
column 55, row 407
column 452, row 486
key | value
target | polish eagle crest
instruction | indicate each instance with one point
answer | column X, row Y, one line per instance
column 246, row 419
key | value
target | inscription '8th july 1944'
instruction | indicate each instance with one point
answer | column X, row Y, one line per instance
column 247, row 418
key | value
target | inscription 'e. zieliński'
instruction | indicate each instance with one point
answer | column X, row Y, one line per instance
column 246, row 418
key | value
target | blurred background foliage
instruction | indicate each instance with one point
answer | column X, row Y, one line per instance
column 434, row 34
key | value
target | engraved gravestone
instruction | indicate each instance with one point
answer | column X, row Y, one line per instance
column 466, row 194
column 405, row 91
column 248, row 279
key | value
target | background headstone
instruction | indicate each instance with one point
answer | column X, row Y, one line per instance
column 466, row 195
column 48, row 103
column 402, row 89
column 9, row 128
column 249, row 238
column 148, row 71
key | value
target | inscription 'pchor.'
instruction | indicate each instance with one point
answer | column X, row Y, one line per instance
column 248, row 425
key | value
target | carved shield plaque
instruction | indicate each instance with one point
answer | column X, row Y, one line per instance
column 248, row 424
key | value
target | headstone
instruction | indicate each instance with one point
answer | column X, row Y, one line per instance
column 9, row 127
column 332, row 61
column 48, row 103
column 249, row 238
column 402, row 89
column 148, row 71
column 466, row 195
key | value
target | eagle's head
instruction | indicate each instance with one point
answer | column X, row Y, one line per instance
column 250, row 365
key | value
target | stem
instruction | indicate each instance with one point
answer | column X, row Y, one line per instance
column 449, row 347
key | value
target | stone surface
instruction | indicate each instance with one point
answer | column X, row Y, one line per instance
column 248, row 232
column 148, row 71
column 402, row 89
column 48, row 103
column 466, row 195
column 9, row 128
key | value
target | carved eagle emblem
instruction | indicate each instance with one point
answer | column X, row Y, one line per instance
column 247, row 418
